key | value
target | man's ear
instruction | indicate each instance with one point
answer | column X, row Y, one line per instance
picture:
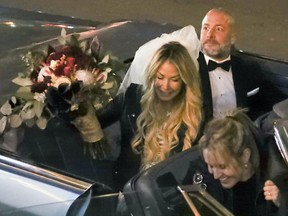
column 246, row 155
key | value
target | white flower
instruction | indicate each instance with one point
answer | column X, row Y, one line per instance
column 85, row 76
column 45, row 71
column 53, row 64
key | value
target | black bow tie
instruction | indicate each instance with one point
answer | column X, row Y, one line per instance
column 212, row 65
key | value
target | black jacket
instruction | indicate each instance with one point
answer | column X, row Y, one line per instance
column 247, row 76
column 247, row 198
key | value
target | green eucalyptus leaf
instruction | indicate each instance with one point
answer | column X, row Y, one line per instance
column 105, row 59
column 22, row 81
column 62, row 37
column 38, row 108
column 62, row 40
column 63, row 32
column 108, row 70
column 15, row 120
column 27, row 105
column 25, row 93
column 13, row 99
column 74, row 40
column 41, row 123
column 27, row 114
column 3, row 122
column 107, row 85
column 83, row 46
column 6, row 109
column 89, row 52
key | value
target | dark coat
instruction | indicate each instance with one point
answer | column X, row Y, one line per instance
column 247, row 198
column 247, row 76
column 126, row 108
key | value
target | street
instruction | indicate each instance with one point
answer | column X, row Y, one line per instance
column 262, row 24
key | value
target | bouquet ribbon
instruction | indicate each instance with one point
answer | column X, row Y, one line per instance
column 89, row 126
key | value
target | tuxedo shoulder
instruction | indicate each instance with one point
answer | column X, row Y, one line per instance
column 246, row 64
column 243, row 60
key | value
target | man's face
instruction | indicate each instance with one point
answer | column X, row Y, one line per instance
column 216, row 35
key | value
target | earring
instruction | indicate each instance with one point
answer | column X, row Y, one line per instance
column 246, row 165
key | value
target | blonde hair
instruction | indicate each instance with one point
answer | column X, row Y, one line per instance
column 187, row 107
column 231, row 135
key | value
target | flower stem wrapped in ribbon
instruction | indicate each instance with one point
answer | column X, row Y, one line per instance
column 89, row 127
column 91, row 132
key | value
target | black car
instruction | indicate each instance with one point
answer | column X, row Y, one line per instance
column 46, row 172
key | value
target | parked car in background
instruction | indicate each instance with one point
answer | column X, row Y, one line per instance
column 45, row 172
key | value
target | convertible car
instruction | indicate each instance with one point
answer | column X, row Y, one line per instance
column 46, row 172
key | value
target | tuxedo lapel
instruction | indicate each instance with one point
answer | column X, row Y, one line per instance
column 247, row 79
column 239, row 80
column 206, row 88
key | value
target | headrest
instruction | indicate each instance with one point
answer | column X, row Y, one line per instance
column 281, row 108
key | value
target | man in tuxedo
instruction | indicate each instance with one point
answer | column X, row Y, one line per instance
column 241, row 82
column 229, row 81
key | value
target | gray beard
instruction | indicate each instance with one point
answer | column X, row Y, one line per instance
column 221, row 53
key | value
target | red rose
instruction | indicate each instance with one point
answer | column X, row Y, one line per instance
column 70, row 61
column 67, row 71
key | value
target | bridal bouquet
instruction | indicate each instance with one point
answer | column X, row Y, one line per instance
column 69, row 81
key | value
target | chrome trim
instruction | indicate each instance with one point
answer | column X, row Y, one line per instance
column 281, row 137
column 196, row 192
column 42, row 174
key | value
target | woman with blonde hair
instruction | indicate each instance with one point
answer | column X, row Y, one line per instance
column 163, row 116
column 160, row 118
column 232, row 148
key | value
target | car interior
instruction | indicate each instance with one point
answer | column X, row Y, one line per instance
column 163, row 188
column 150, row 197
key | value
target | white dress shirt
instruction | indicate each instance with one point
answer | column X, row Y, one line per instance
column 222, row 90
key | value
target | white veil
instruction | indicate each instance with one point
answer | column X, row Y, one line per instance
column 186, row 36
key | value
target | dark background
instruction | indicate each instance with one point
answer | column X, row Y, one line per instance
column 262, row 24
